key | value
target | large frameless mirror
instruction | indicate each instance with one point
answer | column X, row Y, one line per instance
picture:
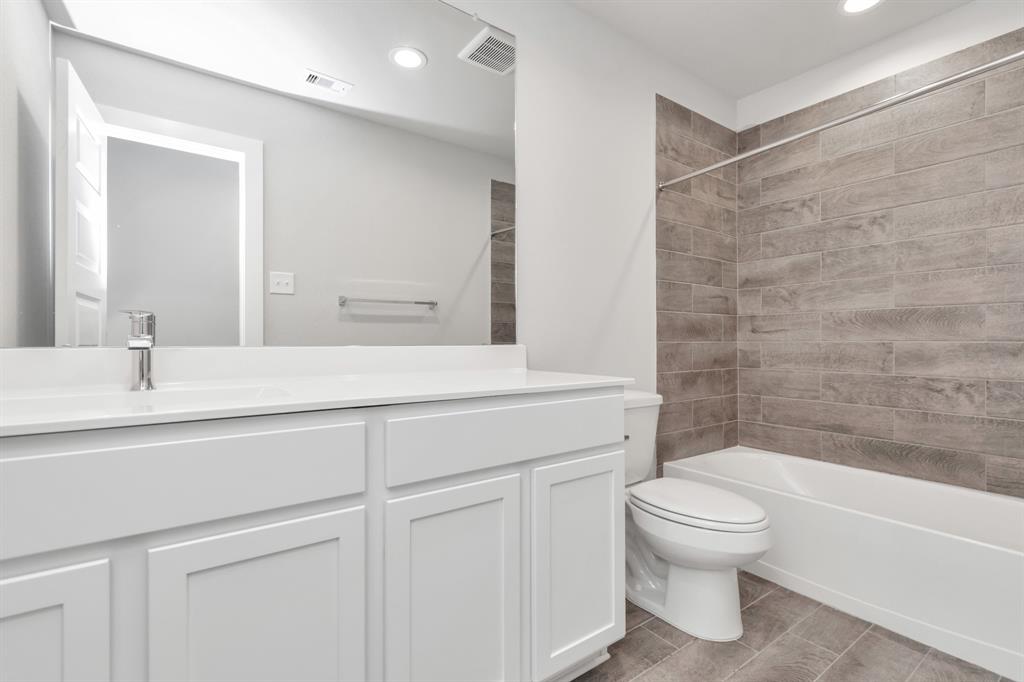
column 261, row 173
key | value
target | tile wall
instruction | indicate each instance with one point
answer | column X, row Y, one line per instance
column 696, row 289
column 880, row 281
column 503, row 263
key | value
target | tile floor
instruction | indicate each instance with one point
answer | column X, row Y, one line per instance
column 787, row 638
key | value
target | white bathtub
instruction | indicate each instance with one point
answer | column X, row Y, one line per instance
column 937, row 563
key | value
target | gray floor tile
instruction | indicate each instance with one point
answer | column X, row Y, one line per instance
column 832, row 629
column 700, row 661
column 772, row 615
column 788, row 659
column 676, row 638
column 635, row 616
column 787, row 638
column 911, row 644
column 640, row 650
column 940, row 667
column 753, row 587
column 875, row 657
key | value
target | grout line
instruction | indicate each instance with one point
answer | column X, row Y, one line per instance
column 794, row 625
column 914, row 671
column 675, row 648
column 860, row 372
column 880, row 406
column 845, row 651
column 696, row 140
column 640, row 625
column 823, row 648
column 886, row 208
column 759, row 598
column 904, row 273
column 904, row 307
column 743, row 664
column 891, row 440
column 659, row 662
column 781, row 634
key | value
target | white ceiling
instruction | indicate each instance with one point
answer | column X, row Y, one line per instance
column 270, row 42
column 744, row 46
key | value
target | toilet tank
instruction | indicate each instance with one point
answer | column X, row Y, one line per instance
column 641, row 420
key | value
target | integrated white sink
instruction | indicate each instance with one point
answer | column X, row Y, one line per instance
column 138, row 402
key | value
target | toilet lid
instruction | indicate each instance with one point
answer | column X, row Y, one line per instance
column 697, row 501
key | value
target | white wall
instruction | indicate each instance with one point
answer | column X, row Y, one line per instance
column 26, row 293
column 585, row 185
column 172, row 242
column 347, row 203
column 585, row 165
column 960, row 28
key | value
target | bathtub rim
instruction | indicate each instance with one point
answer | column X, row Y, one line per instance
column 744, row 449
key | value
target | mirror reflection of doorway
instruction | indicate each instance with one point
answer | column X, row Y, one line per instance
column 172, row 243
column 158, row 215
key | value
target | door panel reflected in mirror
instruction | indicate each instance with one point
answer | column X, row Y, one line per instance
column 244, row 181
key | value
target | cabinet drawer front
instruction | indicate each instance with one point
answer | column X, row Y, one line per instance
column 435, row 445
column 57, row 500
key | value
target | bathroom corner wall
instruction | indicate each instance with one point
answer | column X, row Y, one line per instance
column 503, row 262
column 881, row 280
column 696, row 286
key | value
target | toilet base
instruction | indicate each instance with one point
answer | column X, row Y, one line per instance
column 705, row 604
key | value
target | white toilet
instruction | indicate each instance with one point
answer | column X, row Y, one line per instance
column 684, row 540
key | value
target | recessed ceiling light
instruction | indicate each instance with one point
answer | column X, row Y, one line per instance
column 857, row 6
column 408, row 57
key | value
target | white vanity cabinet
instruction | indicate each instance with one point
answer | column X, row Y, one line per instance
column 471, row 539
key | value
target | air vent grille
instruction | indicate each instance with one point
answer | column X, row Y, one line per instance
column 491, row 49
column 320, row 80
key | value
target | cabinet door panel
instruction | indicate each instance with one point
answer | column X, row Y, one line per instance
column 55, row 625
column 578, row 555
column 452, row 584
column 278, row 602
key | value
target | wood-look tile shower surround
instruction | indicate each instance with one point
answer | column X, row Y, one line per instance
column 503, row 262
column 696, row 289
column 879, row 299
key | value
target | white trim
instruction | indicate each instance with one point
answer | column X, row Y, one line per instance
column 248, row 154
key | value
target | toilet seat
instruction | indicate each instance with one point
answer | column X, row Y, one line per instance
column 699, row 505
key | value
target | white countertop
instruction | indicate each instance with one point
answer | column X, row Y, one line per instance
column 52, row 410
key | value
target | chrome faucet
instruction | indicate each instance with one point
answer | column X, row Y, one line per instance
column 141, row 339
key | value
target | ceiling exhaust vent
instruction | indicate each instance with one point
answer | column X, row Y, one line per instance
column 320, row 80
column 491, row 49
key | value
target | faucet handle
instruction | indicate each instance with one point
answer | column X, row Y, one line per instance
column 142, row 326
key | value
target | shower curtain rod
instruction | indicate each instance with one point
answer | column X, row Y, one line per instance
column 884, row 104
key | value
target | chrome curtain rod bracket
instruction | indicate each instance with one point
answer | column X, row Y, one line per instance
column 345, row 300
column 884, row 104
